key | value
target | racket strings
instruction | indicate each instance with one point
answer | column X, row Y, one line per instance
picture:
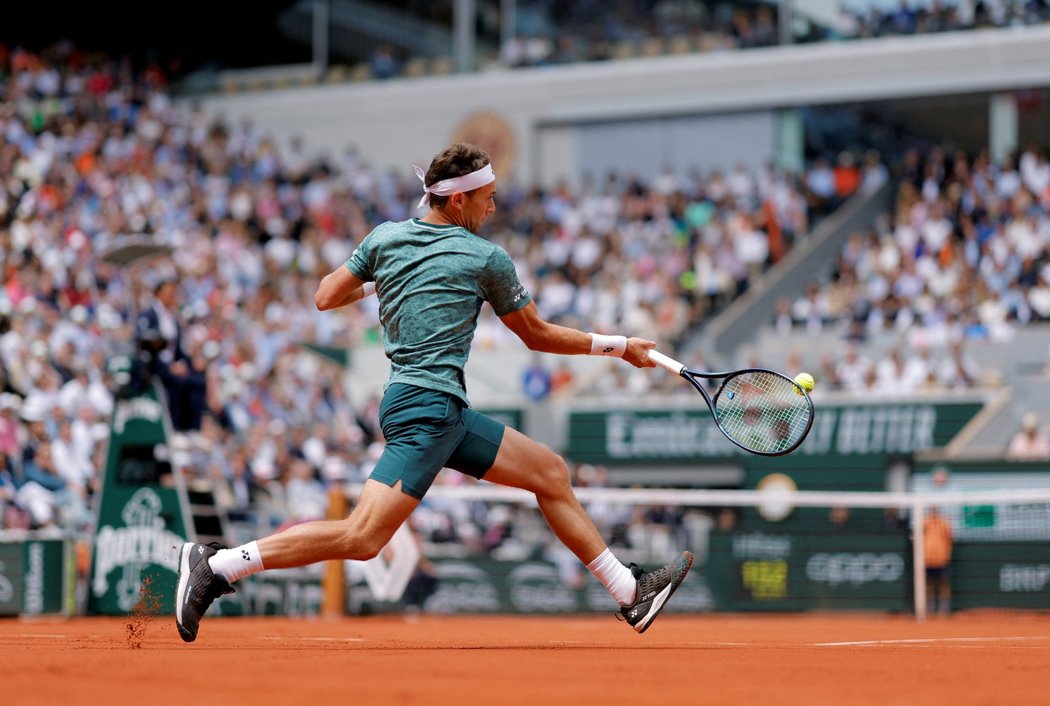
column 762, row 411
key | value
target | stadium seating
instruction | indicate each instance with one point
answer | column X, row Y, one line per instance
column 253, row 228
column 254, row 225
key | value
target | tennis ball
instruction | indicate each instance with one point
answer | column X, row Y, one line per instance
column 805, row 381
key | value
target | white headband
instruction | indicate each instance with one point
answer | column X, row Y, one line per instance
column 447, row 187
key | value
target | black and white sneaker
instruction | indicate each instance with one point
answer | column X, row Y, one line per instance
column 654, row 588
column 197, row 587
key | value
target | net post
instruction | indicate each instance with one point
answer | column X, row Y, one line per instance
column 333, row 583
column 918, row 550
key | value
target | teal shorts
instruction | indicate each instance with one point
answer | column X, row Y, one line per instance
column 426, row 431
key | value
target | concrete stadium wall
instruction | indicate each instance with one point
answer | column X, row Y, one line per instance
column 538, row 122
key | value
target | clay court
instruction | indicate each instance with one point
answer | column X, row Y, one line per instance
column 803, row 660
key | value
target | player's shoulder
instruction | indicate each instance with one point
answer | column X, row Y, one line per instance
column 387, row 228
column 493, row 248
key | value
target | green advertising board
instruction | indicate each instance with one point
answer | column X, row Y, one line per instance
column 512, row 417
column 533, row 586
column 36, row 577
column 743, row 572
column 849, row 447
column 287, row 592
column 140, row 516
column 1001, row 574
column 796, row 571
column 689, row 435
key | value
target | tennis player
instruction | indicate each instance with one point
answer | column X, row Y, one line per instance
column 431, row 275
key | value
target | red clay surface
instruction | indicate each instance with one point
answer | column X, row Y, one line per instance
column 742, row 660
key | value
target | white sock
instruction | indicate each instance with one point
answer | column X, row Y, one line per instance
column 238, row 562
column 617, row 578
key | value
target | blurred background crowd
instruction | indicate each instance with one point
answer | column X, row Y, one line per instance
column 97, row 158
column 558, row 33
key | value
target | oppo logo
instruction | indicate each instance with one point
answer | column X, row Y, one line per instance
column 854, row 569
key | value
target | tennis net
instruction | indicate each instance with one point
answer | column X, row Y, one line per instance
column 482, row 548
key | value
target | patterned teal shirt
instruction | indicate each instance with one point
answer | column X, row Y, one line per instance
column 431, row 281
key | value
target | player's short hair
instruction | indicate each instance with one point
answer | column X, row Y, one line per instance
column 453, row 161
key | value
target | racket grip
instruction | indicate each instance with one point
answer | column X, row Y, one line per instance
column 666, row 362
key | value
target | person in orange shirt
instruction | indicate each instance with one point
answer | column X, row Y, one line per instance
column 847, row 176
column 937, row 540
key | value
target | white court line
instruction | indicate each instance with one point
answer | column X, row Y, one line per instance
column 924, row 640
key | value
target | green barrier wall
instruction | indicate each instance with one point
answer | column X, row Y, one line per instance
column 36, row 577
column 849, row 447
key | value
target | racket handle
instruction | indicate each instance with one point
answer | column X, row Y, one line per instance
column 666, row 362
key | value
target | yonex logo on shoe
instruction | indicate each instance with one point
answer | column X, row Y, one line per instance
column 245, row 555
column 200, row 548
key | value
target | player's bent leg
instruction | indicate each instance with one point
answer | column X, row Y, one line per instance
column 380, row 510
column 524, row 463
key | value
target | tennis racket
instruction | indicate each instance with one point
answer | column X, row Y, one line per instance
column 760, row 411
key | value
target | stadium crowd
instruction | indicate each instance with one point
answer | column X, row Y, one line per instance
column 965, row 255
column 92, row 151
column 551, row 33
column 98, row 159
column 860, row 19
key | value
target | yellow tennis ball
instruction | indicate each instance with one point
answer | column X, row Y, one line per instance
column 805, row 381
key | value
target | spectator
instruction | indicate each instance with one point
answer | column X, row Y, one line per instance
column 847, row 176
column 304, row 493
column 385, row 63
column 536, row 380
column 73, row 462
column 8, row 510
column 42, row 489
column 563, row 380
column 9, row 427
column 820, row 185
column 1030, row 443
column 874, row 173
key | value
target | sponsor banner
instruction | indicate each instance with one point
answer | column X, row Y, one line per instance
column 285, row 592
column 1001, row 574
column 35, row 577
column 689, row 435
column 742, row 572
column 510, row 587
column 769, row 571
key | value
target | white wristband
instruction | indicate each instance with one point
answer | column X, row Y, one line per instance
column 369, row 288
column 614, row 346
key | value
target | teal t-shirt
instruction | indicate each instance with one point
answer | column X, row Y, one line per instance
column 431, row 281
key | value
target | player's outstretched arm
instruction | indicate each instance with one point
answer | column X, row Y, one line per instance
column 339, row 288
column 545, row 337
